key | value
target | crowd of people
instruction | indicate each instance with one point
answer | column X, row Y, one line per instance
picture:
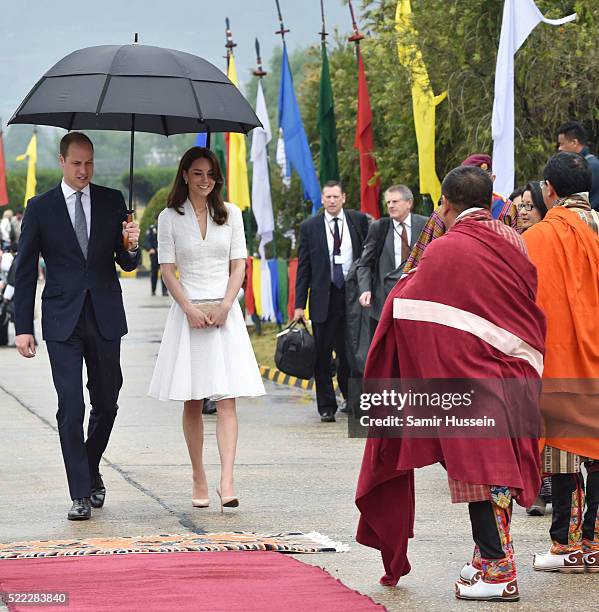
column 510, row 292
column 10, row 231
column 487, row 287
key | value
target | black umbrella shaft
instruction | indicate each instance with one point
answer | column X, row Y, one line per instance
column 131, row 164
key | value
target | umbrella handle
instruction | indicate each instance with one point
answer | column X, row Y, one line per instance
column 125, row 234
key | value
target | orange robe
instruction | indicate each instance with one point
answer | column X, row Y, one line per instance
column 565, row 251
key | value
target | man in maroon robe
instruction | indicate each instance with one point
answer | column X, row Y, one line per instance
column 467, row 312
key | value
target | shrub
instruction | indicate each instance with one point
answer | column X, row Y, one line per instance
column 152, row 210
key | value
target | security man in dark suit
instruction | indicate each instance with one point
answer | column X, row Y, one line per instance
column 328, row 245
column 79, row 229
column 151, row 246
column 387, row 247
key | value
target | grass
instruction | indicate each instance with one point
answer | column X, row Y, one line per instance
column 265, row 343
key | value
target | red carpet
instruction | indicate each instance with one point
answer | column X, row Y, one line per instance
column 214, row 581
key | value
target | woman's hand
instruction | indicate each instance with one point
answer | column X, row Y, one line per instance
column 219, row 315
column 196, row 318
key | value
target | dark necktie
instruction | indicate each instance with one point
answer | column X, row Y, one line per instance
column 80, row 224
column 337, row 267
column 405, row 245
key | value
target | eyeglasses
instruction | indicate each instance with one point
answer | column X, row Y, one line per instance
column 526, row 207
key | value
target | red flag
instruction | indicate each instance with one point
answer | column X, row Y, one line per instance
column 292, row 277
column 370, row 182
column 3, row 189
column 250, row 306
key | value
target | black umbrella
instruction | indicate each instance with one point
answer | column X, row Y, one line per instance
column 136, row 87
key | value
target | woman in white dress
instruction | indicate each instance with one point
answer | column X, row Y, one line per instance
column 205, row 350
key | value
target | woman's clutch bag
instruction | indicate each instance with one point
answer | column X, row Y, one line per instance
column 206, row 306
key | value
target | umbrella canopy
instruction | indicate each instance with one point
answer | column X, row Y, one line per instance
column 136, row 87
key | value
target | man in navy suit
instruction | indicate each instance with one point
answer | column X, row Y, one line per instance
column 328, row 245
column 78, row 228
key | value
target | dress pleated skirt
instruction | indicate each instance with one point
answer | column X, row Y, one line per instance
column 214, row 363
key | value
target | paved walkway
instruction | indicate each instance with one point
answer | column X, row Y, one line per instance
column 293, row 473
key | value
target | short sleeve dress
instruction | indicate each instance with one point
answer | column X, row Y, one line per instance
column 216, row 362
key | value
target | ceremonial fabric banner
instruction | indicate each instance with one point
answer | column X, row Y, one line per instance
column 520, row 18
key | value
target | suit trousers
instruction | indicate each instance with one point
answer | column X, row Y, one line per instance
column 329, row 336
column 104, row 381
column 154, row 267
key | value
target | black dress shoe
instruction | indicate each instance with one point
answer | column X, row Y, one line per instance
column 209, row 407
column 98, row 492
column 81, row 510
column 345, row 408
column 327, row 417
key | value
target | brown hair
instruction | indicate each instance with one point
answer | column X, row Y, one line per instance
column 179, row 191
column 333, row 184
column 72, row 137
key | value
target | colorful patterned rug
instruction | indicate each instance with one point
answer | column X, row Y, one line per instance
column 286, row 542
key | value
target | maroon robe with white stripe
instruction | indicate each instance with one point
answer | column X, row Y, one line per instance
column 468, row 311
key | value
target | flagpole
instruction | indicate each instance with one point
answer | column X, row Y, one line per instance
column 357, row 36
column 246, row 214
column 282, row 30
column 261, row 73
column 323, row 33
column 367, row 162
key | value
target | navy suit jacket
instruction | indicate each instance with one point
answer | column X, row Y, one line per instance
column 314, row 263
column 47, row 230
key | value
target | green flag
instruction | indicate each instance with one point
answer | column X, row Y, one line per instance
column 329, row 164
column 220, row 150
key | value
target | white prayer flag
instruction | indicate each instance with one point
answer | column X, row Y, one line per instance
column 520, row 17
column 261, row 196
column 282, row 160
column 268, row 309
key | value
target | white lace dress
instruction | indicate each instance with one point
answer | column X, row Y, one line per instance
column 216, row 362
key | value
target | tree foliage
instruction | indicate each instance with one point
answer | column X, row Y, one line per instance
column 155, row 206
column 16, row 181
column 147, row 181
column 556, row 80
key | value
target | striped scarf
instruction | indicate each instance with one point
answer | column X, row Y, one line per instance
column 579, row 203
column 505, row 231
column 435, row 227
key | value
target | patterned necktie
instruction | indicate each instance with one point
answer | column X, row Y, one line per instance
column 337, row 267
column 405, row 245
column 80, row 224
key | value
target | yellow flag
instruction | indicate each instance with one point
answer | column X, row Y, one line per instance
column 423, row 99
column 31, row 155
column 257, row 286
column 238, row 191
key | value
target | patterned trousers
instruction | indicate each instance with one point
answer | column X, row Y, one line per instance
column 493, row 550
column 573, row 528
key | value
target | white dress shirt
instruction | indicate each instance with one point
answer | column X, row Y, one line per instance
column 69, row 196
column 347, row 252
column 397, row 230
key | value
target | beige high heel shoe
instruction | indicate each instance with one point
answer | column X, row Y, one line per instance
column 200, row 503
column 231, row 501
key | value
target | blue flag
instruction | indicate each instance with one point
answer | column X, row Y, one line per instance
column 297, row 150
column 201, row 139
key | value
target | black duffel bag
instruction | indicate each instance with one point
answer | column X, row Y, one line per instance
column 296, row 351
